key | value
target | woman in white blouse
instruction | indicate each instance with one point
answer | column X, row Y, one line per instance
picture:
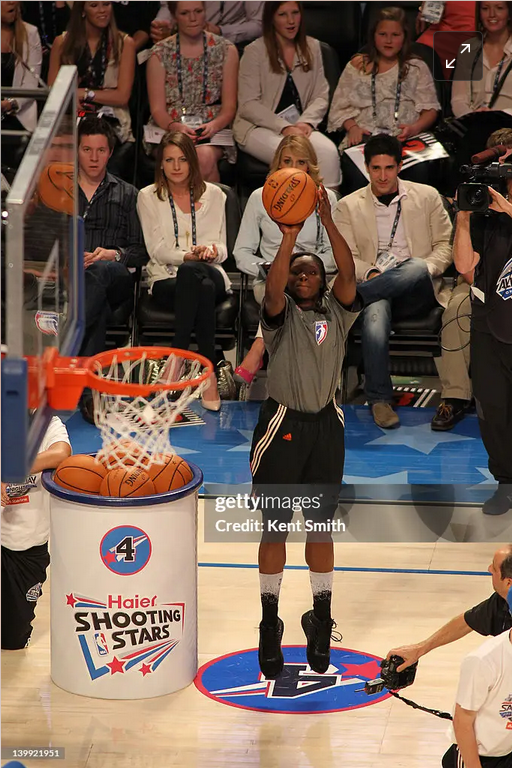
column 385, row 90
column 259, row 237
column 21, row 67
column 282, row 90
column 483, row 94
column 184, row 225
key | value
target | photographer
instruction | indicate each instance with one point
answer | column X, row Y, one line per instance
column 484, row 243
column 491, row 617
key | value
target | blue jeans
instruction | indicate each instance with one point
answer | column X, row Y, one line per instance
column 402, row 292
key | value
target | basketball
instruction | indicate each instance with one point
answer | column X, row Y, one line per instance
column 289, row 196
column 124, row 451
column 55, row 187
column 127, row 483
column 173, row 474
column 80, row 473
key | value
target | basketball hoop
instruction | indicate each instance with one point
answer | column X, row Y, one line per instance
column 138, row 392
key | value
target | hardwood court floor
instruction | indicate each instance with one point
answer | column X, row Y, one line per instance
column 375, row 611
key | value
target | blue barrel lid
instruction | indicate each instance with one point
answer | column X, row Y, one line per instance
column 94, row 500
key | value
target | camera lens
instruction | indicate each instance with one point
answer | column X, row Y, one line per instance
column 476, row 197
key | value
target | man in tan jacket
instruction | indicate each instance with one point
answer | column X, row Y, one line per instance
column 399, row 235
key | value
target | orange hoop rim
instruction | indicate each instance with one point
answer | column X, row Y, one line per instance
column 112, row 387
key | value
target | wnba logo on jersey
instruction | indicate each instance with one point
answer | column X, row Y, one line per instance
column 321, row 329
column 47, row 322
column 504, row 284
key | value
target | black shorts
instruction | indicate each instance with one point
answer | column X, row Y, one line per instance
column 453, row 759
column 23, row 574
column 297, row 454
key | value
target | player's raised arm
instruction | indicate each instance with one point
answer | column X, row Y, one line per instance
column 277, row 278
column 344, row 288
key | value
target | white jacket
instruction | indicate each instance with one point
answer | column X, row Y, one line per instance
column 158, row 228
column 25, row 78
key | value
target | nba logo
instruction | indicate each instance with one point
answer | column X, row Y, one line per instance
column 101, row 644
column 320, row 331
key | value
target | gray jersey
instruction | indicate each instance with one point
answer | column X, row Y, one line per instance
column 306, row 354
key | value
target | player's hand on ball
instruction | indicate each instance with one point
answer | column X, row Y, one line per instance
column 290, row 229
column 324, row 205
column 409, row 653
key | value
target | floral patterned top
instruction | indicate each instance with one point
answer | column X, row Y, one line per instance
column 353, row 98
column 192, row 73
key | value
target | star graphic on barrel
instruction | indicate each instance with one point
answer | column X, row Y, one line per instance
column 115, row 665
column 145, row 669
column 71, row 600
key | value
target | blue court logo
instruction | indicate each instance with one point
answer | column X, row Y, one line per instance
column 236, row 680
column 125, row 550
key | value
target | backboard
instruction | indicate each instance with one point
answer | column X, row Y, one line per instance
column 43, row 275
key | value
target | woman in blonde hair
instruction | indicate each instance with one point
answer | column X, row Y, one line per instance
column 282, row 90
column 21, row 67
column 105, row 59
column 259, row 237
column 184, row 225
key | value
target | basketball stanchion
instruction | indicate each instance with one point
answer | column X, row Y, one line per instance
column 124, row 565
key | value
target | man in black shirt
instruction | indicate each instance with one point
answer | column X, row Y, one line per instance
column 483, row 242
column 113, row 235
column 491, row 617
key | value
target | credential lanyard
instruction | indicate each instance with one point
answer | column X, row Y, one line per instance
column 397, row 98
column 192, row 215
column 205, row 67
column 496, row 76
column 395, row 224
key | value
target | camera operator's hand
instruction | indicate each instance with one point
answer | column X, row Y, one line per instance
column 409, row 653
column 499, row 203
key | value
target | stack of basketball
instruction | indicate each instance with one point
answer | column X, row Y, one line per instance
column 85, row 474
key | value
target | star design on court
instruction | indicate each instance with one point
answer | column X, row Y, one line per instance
column 488, row 479
column 183, row 451
column 420, row 438
column 109, row 558
column 145, row 669
column 243, row 447
column 71, row 600
column 370, row 670
column 398, row 478
column 115, row 665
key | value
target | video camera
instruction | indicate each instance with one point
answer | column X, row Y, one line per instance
column 474, row 194
column 390, row 678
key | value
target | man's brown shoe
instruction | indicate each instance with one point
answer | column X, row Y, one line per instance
column 384, row 416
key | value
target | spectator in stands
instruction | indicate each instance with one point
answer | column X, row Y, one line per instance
column 283, row 90
column 192, row 83
column 458, row 16
column 51, row 20
column 387, row 89
column 184, row 224
column 259, row 237
column 237, row 22
column 113, row 236
column 135, row 19
column 399, row 235
column 493, row 91
column 105, row 59
column 21, row 67
column 384, row 90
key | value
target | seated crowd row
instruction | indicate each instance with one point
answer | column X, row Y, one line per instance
column 196, row 84
column 398, row 232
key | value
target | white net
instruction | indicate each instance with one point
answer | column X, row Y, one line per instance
column 136, row 430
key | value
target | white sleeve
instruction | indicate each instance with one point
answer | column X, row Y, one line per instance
column 476, row 679
column 249, row 237
column 56, row 433
column 160, row 250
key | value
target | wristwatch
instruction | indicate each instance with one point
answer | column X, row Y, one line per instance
column 118, row 255
column 90, row 96
column 15, row 107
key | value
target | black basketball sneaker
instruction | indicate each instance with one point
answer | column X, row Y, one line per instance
column 318, row 634
column 270, row 655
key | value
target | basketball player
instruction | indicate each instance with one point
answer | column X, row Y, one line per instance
column 298, row 443
column 25, row 533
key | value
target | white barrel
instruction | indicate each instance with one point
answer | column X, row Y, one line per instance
column 123, row 592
